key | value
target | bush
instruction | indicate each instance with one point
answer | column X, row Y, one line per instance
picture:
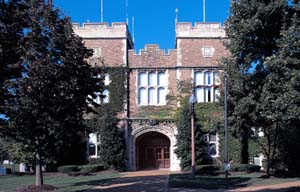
column 245, row 168
column 91, row 168
column 209, row 169
column 294, row 189
column 95, row 161
column 68, row 168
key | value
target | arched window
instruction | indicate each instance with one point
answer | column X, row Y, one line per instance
column 199, row 79
column 142, row 96
column 199, row 94
column 161, row 98
column 106, row 96
column 142, row 79
column 151, row 96
column 161, row 79
column 152, row 79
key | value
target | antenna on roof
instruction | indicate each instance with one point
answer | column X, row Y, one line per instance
column 101, row 11
column 127, row 12
column 204, row 11
column 133, row 29
column 176, row 19
column 50, row 2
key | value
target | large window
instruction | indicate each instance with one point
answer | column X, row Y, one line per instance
column 104, row 96
column 207, row 86
column 213, row 144
column 152, row 88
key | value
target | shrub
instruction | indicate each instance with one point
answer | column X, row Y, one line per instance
column 91, row 168
column 68, row 168
column 245, row 167
column 209, row 169
column 294, row 189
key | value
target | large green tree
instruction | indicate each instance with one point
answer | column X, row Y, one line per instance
column 183, row 146
column 52, row 95
column 280, row 108
column 253, row 29
column 12, row 22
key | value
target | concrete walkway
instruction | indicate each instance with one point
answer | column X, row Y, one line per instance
column 138, row 181
column 157, row 181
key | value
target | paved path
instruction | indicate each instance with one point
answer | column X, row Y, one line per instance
column 265, row 188
column 157, row 181
column 138, row 181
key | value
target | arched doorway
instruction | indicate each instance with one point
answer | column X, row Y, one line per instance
column 153, row 151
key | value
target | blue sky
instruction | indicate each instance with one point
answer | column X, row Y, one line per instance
column 154, row 20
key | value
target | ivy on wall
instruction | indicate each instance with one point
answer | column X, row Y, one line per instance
column 117, row 87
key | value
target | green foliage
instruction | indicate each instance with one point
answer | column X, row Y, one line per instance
column 91, row 168
column 117, row 87
column 210, row 115
column 183, row 150
column 156, row 113
column 112, row 147
column 12, row 22
column 68, row 168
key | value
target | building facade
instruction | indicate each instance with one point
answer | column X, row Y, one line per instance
column 155, row 82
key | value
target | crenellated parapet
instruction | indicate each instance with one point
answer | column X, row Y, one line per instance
column 200, row 30
column 152, row 56
column 101, row 30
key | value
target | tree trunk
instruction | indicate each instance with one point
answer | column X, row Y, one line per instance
column 38, row 170
column 244, row 156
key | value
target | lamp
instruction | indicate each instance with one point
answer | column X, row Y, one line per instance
column 192, row 101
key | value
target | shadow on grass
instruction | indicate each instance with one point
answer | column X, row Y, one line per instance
column 206, row 182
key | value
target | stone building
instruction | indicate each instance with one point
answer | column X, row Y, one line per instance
column 155, row 82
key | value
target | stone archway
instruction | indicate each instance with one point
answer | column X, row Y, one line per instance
column 153, row 151
column 168, row 131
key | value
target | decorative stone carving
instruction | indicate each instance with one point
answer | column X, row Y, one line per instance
column 208, row 51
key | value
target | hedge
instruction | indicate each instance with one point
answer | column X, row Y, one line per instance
column 68, row 169
column 218, row 169
column 91, row 168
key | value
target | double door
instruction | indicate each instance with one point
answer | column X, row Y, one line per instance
column 155, row 157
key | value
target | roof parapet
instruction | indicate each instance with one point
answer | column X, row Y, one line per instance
column 200, row 30
column 101, row 30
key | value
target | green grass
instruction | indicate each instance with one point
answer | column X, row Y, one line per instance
column 64, row 183
column 235, row 180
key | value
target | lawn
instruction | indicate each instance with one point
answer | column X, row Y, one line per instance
column 235, row 180
column 64, row 183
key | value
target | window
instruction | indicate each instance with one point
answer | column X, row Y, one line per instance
column 213, row 144
column 152, row 88
column 207, row 86
column 96, row 52
column 104, row 96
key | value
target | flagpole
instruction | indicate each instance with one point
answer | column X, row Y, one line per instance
column 101, row 11
column 204, row 11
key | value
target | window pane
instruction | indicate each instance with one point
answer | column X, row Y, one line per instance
column 199, row 78
column 151, row 96
column 212, row 149
column 217, row 94
column 142, row 79
column 207, row 78
column 106, row 96
column 161, row 79
column 199, row 94
column 216, row 78
column 142, row 96
column 106, row 79
column 152, row 79
column 212, row 138
column 161, row 96
column 207, row 94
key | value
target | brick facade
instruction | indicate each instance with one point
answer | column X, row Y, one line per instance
column 198, row 47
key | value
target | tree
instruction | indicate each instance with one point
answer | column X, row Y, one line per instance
column 12, row 22
column 52, row 95
column 281, row 104
column 183, row 146
column 112, row 148
column 253, row 36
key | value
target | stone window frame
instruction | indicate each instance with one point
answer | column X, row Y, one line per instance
column 215, row 142
column 97, row 52
column 156, row 87
column 208, row 51
column 208, row 89
column 99, row 100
